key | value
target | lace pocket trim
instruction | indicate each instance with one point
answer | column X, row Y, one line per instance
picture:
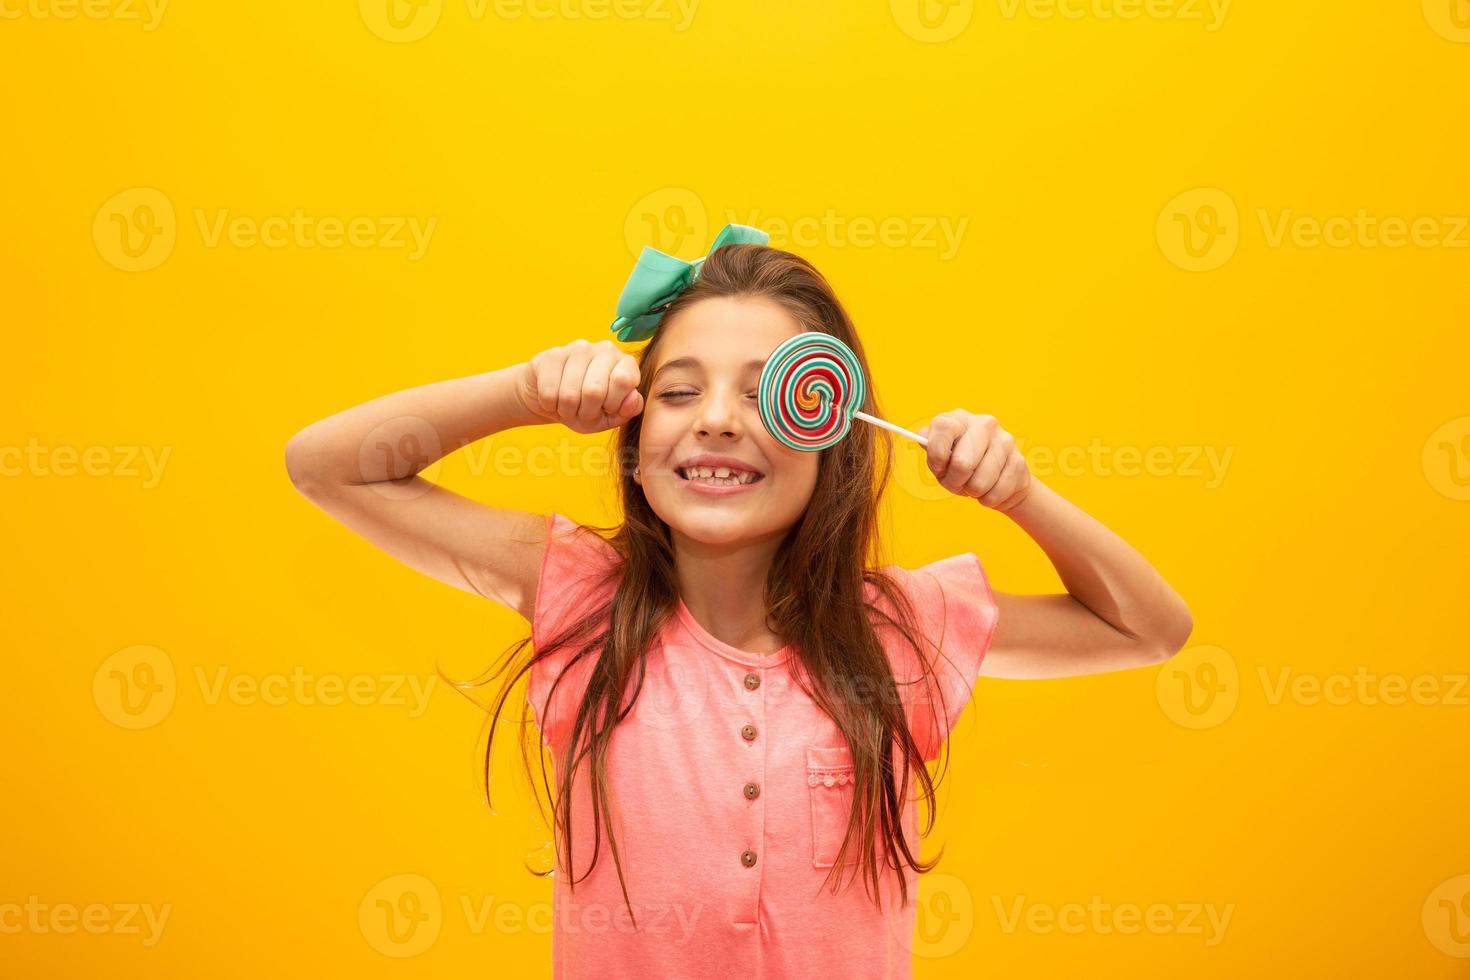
column 827, row 777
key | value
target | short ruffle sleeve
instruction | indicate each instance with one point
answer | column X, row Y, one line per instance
column 577, row 575
column 956, row 615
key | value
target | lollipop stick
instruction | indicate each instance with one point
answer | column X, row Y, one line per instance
column 891, row 427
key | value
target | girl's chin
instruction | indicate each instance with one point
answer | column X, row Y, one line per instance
column 714, row 525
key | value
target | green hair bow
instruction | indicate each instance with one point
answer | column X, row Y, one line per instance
column 659, row 278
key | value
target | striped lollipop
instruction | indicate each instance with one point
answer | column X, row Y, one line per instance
column 811, row 389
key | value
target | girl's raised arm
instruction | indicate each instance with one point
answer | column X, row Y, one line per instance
column 1117, row 612
column 361, row 465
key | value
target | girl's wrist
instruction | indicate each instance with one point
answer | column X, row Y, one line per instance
column 1032, row 504
column 517, row 381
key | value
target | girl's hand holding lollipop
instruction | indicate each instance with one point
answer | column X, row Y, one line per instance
column 971, row 455
column 812, row 387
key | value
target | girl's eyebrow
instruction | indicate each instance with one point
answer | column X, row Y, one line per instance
column 694, row 362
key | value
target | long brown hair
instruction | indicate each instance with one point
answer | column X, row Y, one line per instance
column 814, row 598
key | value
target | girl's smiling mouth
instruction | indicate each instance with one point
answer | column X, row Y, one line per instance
column 715, row 474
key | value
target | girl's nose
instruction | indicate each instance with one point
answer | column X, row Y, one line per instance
column 719, row 413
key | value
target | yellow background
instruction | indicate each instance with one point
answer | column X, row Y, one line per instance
column 1075, row 150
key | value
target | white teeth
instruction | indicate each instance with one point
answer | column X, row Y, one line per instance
column 718, row 475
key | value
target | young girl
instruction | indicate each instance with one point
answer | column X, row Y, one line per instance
column 739, row 706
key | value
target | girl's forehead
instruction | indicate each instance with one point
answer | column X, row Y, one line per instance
column 726, row 332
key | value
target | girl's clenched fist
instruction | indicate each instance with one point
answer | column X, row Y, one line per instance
column 585, row 386
column 971, row 455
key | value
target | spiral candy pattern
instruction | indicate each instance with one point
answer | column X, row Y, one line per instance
column 809, row 389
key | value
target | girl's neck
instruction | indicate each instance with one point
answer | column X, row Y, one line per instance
column 723, row 587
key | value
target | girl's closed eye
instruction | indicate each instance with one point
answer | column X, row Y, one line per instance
column 675, row 395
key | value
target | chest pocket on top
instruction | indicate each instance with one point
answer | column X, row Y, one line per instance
column 829, row 781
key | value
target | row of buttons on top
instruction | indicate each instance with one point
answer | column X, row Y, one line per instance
column 752, row 790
